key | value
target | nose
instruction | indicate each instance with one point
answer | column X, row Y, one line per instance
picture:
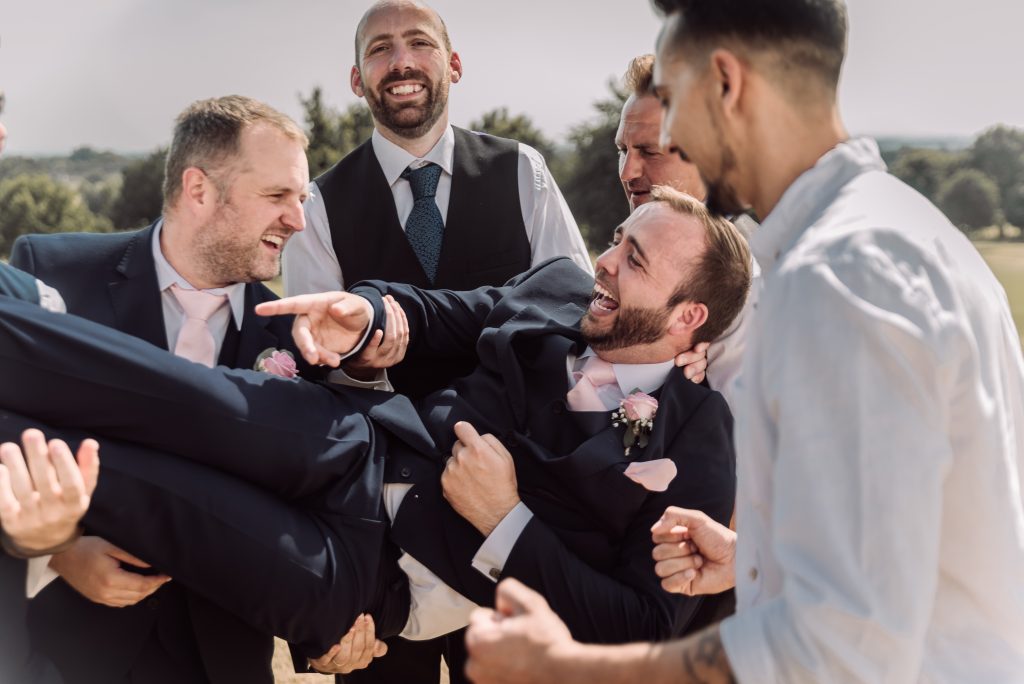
column 608, row 261
column 401, row 58
column 631, row 166
column 294, row 217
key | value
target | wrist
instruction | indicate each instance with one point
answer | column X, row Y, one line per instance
column 486, row 525
column 25, row 551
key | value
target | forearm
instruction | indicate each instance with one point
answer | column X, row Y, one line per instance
column 442, row 323
column 609, row 605
column 699, row 659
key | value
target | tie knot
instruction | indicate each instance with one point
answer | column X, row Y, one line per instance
column 197, row 303
column 423, row 180
column 598, row 371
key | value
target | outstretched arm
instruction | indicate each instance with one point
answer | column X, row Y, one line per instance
column 522, row 640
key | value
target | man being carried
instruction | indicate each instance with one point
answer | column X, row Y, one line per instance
column 301, row 479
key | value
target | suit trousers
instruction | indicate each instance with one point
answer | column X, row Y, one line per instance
column 266, row 500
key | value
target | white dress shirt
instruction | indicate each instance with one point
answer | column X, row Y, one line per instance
column 880, row 445
column 39, row 573
column 311, row 264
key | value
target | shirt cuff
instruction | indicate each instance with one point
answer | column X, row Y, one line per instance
column 491, row 557
column 50, row 299
column 379, row 382
column 39, row 575
column 362, row 341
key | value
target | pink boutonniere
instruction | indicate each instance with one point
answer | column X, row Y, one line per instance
column 279, row 362
column 636, row 412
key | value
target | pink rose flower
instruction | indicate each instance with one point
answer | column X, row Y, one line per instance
column 279, row 363
column 639, row 406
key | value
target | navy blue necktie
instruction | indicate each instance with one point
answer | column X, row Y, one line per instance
column 425, row 228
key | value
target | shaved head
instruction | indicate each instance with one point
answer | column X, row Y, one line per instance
column 385, row 5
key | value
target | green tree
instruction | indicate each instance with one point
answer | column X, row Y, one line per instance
column 588, row 176
column 924, row 169
column 1013, row 207
column 970, row 199
column 999, row 154
column 333, row 134
column 39, row 204
column 519, row 127
column 141, row 199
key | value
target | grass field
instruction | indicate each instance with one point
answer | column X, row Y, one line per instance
column 1007, row 261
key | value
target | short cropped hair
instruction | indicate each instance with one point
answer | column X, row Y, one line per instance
column 361, row 26
column 208, row 134
column 721, row 277
column 639, row 75
column 808, row 34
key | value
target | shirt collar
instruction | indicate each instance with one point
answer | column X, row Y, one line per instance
column 166, row 275
column 811, row 192
column 394, row 160
column 646, row 377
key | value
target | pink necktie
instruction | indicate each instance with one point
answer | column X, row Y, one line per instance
column 195, row 342
column 596, row 373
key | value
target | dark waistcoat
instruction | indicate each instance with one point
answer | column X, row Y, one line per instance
column 484, row 237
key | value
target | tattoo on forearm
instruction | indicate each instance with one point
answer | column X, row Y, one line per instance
column 705, row 662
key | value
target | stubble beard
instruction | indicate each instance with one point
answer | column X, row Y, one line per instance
column 634, row 326
column 395, row 119
column 227, row 256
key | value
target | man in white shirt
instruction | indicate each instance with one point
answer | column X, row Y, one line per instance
column 881, row 456
column 488, row 210
column 424, row 202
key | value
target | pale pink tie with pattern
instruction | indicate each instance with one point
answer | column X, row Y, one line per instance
column 195, row 342
column 594, row 375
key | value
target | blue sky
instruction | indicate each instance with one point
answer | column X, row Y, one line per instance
column 114, row 73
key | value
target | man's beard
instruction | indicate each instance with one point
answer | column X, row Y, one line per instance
column 396, row 117
column 634, row 326
column 227, row 254
column 722, row 200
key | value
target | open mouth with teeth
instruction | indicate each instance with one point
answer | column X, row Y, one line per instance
column 602, row 303
column 274, row 243
column 405, row 90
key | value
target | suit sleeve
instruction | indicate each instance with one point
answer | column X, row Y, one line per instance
column 442, row 323
column 627, row 602
column 22, row 255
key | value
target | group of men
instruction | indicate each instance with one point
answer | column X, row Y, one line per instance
column 879, row 401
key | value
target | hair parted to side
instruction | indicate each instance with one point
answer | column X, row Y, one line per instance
column 721, row 277
column 208, row 134
column 809, row 35
column 639, row 75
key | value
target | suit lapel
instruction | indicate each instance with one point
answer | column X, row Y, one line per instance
column 135, row 294
column 254, row 337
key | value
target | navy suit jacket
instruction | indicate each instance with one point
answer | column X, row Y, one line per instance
column 588, row 547
column 111, row 279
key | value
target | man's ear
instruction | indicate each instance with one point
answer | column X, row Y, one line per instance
column 729, row 76
column 355, row 80
column 197, row 190
column 455, row 64
column 687, row 318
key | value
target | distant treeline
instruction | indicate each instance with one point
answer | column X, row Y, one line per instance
column 977, row 186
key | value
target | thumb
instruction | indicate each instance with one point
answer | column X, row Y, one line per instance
column 515, row 598
column 124, row 556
